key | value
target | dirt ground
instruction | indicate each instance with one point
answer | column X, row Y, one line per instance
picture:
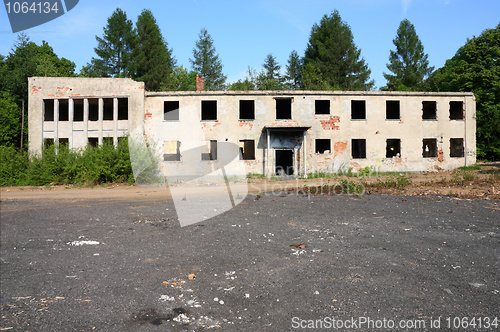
column 468, row 184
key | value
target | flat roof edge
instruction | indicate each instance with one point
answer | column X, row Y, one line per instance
column 293, row 93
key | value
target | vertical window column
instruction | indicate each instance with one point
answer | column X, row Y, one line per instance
column 115, row 121
column 86, row 117
column 56, row 120
column 100, row 118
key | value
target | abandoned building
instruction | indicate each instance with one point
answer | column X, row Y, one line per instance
column 276, row 132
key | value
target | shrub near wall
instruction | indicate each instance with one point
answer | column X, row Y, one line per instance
column 61, row 165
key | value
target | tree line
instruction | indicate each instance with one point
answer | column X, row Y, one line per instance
column 331, row 61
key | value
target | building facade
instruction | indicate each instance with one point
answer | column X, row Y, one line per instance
column 273, row 132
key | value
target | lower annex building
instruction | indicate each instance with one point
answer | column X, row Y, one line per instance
column 276, row 132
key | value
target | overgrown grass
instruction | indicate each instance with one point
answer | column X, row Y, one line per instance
column 61, row 165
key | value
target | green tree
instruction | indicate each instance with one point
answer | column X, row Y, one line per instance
column 476, row 68
column 408, row 63
column 206, row 62
column 270, row 77
column 153, row 59
column 27, row 59
column 249, row 83
column 332, row 61
column 10, row 119
column 294, row 71
column 114, row 49
column 181, row 79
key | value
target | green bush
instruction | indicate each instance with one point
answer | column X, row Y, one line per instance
column 61, row 165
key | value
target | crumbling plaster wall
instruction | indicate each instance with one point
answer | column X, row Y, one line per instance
column 58, row 88
column 336, row 126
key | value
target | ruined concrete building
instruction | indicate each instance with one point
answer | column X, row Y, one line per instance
column 292, row 132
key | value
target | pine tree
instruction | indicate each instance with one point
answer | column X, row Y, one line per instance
column 408, row 63
column 153, row 59
column 270, row 77
column 332, row 60
column 294, row 71
column 207, row 63
column 114, row 49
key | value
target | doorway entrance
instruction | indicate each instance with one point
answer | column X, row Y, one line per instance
column 284, row 162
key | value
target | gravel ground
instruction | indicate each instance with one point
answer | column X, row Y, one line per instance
column 276, row 262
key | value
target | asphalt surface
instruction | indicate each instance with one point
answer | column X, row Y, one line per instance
column 126, row 264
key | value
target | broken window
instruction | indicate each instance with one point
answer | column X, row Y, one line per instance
column 63, row 142
column 247, row 149
column 358, row 148
column 171, row 151
column 429, row 148
column 107, row 140
column 122, row 108
column 48, row 110
column 283, row 108
column 393, row 148
column 456, row 147
column 429, row 110
column 78, row 110
column 171, row 110
column 392, row 110
column 456, row 110
column 358, row 110
column 208, row 110
column 93, row 141
column 323, row 145
column 93, row 109
column 63, row 110
column 247, row 109
column 47, row 142
column 212, row 153
column 322, row 107
column 107, row 110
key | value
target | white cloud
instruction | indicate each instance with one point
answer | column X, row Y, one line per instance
column 405, row 4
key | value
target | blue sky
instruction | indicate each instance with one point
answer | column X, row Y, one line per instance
column 244, row 32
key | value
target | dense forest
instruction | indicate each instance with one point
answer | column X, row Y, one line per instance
column 331, row 61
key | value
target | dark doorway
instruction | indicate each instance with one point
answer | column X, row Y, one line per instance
column 284, row 162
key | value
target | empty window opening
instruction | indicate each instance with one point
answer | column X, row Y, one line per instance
column 208, row 110
column 392, row 110
column 284, row 162
column 78, row 110
column 212, row 153
column 122, row 108
column 107, row 140
column 247, row 149
column 63, row 110
column 358, row 148
column 107, row 110
column 63, row 142
column 429, row 148
column 171, row 151
column 456, row 147
column 429, row 110
column 283, row 109
column 456, row 110
column 93, row 109
column 323, row 145
column 47, row 142
column 393, row 148
column 322, row 107
column 93, row 141
column 48, row 110
column 247, row 109
column 358, row 110
column 171, row 110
